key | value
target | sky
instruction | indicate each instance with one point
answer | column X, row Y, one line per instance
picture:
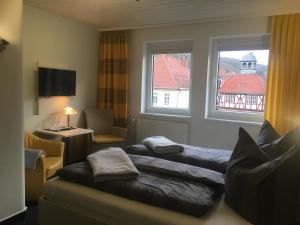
column 262, row 56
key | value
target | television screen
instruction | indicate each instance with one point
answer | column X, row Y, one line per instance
column 56, row 82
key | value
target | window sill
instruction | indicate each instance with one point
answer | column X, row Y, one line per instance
column 242, row 122
column 165, row 117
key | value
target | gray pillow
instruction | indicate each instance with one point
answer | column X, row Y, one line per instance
column 282, row 144
column 261, row 189
column 267, row 134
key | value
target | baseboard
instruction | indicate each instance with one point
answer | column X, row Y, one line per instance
column 14, row 218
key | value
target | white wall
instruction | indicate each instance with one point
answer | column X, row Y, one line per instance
column 55, row 41
column 11, row 113
column 202, row 132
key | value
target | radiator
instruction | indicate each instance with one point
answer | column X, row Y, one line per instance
column 176, row 131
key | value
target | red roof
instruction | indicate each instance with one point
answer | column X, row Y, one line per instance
column 170, row 73
column 243, row 84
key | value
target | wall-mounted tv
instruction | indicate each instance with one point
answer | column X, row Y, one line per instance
column 56, row 82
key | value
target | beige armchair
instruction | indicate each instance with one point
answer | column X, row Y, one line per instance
column 105, row 133
column 46, row 167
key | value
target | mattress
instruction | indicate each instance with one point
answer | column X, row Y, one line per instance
column 118, row 210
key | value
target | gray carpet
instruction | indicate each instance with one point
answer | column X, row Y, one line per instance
column 31, row 215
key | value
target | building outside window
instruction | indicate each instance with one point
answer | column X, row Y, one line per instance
column 244, row 85
column 238, row 72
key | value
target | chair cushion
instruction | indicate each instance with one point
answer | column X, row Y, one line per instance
column 107, row 138
column 52, row 165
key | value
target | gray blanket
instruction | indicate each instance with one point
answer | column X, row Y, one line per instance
column 162, row 145
column 111, row 164
column 213, row 159
column 175, row 186
column 31, row 157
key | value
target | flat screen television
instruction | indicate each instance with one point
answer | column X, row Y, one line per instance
column 56, row 82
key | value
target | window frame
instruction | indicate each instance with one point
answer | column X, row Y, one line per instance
column 163, row 47
column 230, row 43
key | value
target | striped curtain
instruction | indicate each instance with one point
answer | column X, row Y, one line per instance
column 283, row 85
column 113, row 75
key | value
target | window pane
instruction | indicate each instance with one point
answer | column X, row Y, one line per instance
column 242, row 76
column 171, row 80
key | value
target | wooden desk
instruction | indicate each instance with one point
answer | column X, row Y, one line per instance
column 78, row 142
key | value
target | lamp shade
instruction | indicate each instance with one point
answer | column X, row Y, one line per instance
column 70, row 111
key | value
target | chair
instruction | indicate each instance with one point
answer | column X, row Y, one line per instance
column 46, row 167
column 105, row 133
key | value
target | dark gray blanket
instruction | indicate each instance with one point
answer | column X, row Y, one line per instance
column 213, row 159
column 161, row 183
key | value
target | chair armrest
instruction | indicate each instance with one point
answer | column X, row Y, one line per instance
column 120, row 131
column 51, row 148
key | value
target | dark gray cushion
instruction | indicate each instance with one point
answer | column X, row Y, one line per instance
column 261, row 189
column 267, row 135
column 282, row 144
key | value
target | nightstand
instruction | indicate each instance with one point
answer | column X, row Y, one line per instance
column 78, row 142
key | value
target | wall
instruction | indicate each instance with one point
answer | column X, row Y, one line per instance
column 11, row 113
column 58, row 42
column 202, row 132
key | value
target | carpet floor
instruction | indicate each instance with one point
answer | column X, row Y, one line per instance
column 31, row 215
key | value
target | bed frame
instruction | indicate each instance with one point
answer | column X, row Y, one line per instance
column 114, row 210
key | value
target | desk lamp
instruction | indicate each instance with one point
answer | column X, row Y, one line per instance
column 69, row 111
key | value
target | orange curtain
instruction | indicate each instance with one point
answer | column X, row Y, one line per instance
column 113, row 75
column 283, row 85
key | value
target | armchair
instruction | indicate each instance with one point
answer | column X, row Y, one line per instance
column 105, row 133
column 46, row 167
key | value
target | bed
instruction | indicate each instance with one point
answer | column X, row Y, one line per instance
column 166, row 184
column 70, row 203
column 166, row 192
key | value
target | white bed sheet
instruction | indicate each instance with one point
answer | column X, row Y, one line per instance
column 117, row 210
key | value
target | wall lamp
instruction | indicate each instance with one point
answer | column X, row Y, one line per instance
column 3, row 44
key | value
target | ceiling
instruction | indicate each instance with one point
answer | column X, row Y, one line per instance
column 130, row 14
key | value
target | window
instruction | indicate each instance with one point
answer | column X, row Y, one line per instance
column 154, row 99
column 226, row 98
column 166, row 99
column 248, row 100
column 253, row 100
column 167, row 77
column 237, row 78
column 231, row 98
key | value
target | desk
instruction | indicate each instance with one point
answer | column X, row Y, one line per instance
column 78, row 142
